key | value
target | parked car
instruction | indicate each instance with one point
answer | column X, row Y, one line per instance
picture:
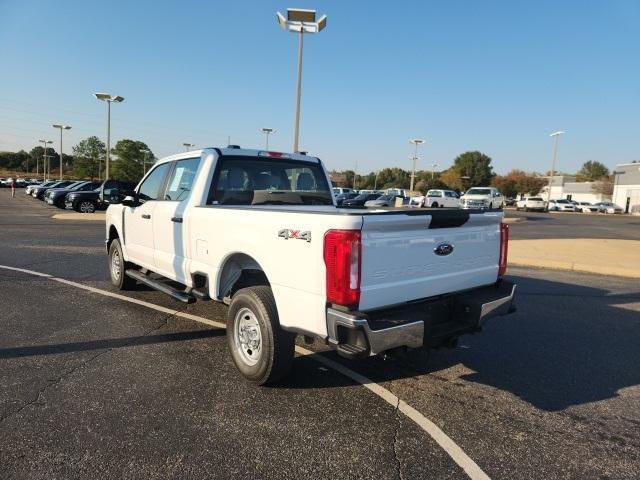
column 29, row 189
column 111, row 191
column 287, row 262
column 561, row 205
column 38, row 191
column 482, row 198
column 360, row 200
column 586, row 207
column 441, row 198
column 608, row 207
column 345, row 196
column 531, row 203
column 341, row 190
column 382, row 201
column 56, row 196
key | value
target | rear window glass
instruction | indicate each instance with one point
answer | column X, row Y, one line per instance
column 269, row 181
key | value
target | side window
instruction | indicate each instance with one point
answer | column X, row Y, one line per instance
column 150, row 188
column 181, row 179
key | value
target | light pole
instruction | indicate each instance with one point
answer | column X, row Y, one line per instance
column 416, row 142
column 61, row 127
column 187, row 146
column 144, row 162
column 433, row 168
column 267, row 131
column 556, row 136
column 300, row 21
column 44, row 158
column 107, row 97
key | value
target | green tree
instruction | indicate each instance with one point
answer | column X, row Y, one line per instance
column 88, row 158
column 130, row 156
column 476, row 166
column 593, row 170
column 37, row 159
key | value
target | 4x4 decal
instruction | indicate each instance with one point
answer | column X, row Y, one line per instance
column 287, row 233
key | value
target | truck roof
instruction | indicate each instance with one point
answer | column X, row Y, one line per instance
column 248, row 152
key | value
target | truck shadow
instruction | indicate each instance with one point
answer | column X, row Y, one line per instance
column 566, row 345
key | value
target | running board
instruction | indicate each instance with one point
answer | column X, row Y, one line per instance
column 161, row 287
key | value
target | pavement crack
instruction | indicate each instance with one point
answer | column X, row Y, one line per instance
column 163, row 323
column 395, row 440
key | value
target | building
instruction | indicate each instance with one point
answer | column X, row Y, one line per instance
column 565, row 186
column 626, row 187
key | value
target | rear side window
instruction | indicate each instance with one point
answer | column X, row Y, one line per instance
column 150, row 188
column 181, row 179
column 269, row 181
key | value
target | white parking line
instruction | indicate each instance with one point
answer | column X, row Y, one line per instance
column 448, row 445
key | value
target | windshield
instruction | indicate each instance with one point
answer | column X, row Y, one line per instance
column 536, row 199
column 268, row 181
column 434, row 193
column 562, row 201
column 479, row 191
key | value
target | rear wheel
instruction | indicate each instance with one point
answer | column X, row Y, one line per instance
column 434, row 205
column 260, row 348
column 117, row 267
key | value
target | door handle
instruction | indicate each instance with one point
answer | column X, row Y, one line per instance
column 146, row 216
column 176, row 219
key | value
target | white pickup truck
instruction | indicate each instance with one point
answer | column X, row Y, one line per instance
column 259, row 231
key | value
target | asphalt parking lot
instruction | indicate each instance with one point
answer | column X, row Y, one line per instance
column 95, row 386
column 573, row 225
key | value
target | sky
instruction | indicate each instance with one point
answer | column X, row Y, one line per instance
column 494, row 76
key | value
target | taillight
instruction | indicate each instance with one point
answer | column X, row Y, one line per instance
column 504, row 246
column 342, row 250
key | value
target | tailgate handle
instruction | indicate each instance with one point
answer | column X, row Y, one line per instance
column 176, row 219
column 146, row 216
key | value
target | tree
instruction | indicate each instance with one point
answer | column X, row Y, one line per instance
column 518, row 181
column 604, row 186
column 593, row 170
column 88, row 158
column 451, row 178
column 130, row 157
column 37, row 158
column 476, row 166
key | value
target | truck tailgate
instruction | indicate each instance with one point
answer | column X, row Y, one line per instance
column 400, row 262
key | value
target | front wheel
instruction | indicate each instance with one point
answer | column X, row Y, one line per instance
column 434, row 205
column 260, row 348
column 86, row 206
column 117, row 266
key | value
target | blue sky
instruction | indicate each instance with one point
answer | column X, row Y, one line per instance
column 494, row 76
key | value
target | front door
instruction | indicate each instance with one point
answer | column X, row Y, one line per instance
column 138, row 221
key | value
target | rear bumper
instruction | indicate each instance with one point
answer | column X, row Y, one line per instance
column 429, row 323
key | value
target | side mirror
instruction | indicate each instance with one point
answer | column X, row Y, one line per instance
column 130, row 201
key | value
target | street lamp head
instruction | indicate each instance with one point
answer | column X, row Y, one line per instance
column 188, row 145
column 301, row 20
column 107, row 97
column 555, row 134
column 62, row 127
column 416, row 141
column 268, row 130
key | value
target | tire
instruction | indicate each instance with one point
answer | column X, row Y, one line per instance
column 269, row 355
column 85, row 206
column 434, row 205
column 60, row 204
column 117, row 266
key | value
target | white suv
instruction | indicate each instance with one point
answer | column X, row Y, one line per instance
column 482, row 197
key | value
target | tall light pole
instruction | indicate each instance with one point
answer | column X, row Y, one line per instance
column 267, row 131
column 61, row 127
column 44, row 157
column 556, row 136
column 107, row 97
column 416, row 142
column 300, row 21
column 187, row 146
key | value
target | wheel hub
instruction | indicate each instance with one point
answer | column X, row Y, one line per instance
column 248, row 336
column 115, row 265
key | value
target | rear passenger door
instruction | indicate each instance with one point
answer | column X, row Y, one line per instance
column 138, row 226
column 169, row 221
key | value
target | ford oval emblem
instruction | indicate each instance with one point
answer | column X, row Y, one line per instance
column 443, row 249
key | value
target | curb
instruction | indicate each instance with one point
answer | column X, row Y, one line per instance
column 575, row 267
column 86, row 217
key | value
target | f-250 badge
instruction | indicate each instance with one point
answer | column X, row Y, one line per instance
column 288, row 233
